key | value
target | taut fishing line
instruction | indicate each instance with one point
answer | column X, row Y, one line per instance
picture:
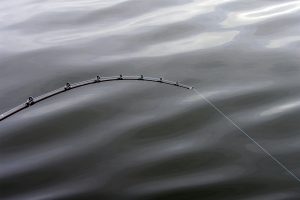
column 246, row 134
column 30, row 101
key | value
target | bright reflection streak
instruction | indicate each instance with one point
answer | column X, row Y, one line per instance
column 277, row 109
column 81, row 5
column 201, row 41
column 283, row 42
column 19, row 11
column 181, row 13
column 257, row 15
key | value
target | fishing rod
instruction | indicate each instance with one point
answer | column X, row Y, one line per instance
column 99, row 79
column 33, row 100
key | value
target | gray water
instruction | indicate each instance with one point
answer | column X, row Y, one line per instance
column 141, row 140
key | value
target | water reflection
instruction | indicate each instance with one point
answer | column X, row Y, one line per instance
column 281, row 108
column 260, row 14
column 283, row 42
column 108, row 26
column 186, row 45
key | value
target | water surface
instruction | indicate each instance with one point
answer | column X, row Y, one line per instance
column 139, row 140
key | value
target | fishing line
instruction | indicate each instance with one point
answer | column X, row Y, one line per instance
column 33, row 100
column 246, row 134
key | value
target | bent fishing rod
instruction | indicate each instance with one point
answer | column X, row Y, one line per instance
column 33, row 100
column 99, row 79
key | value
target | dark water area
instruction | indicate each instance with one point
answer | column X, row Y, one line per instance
column 143, row 140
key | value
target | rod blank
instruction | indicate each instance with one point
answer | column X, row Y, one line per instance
column 33, row 100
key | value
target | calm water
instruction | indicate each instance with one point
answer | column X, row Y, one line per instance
column 139, row 140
